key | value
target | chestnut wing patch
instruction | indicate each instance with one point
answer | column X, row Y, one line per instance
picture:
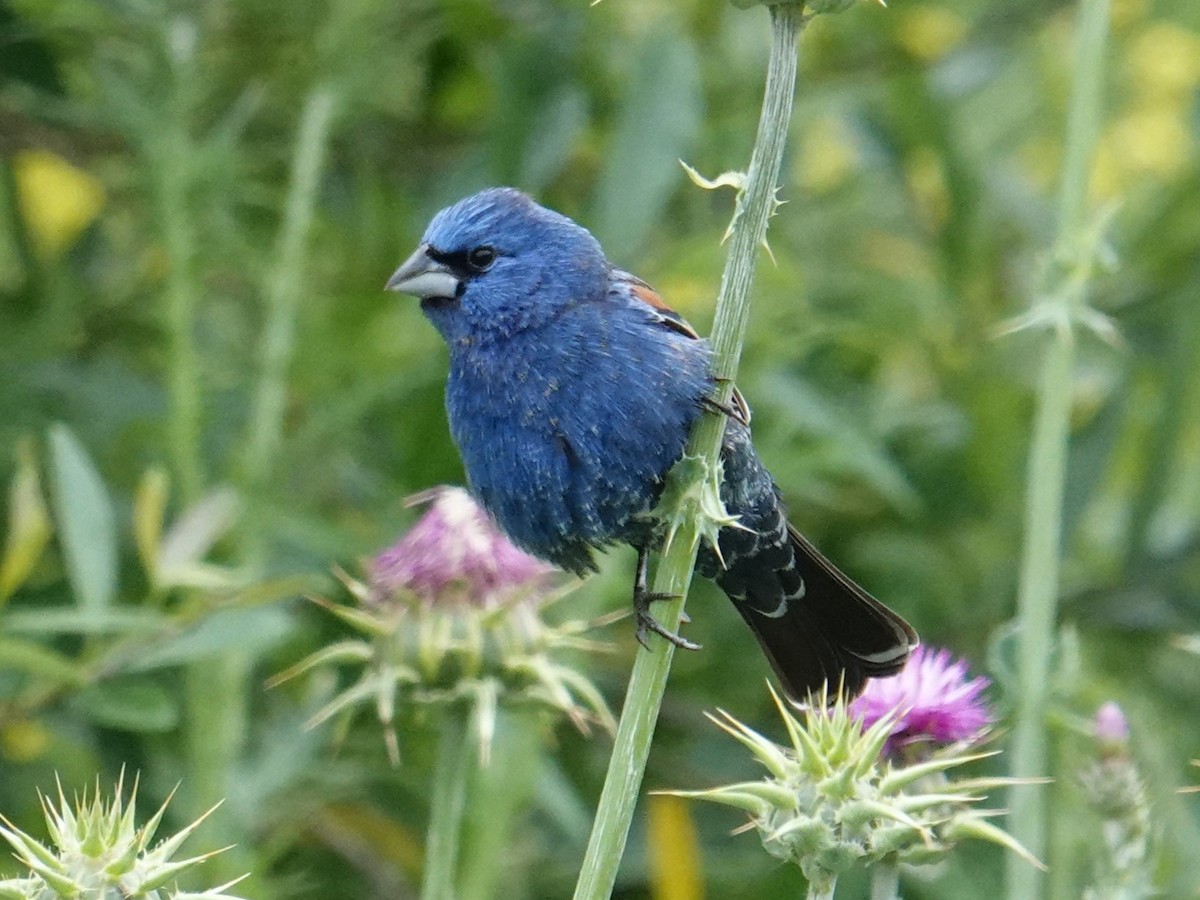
column 740, row 409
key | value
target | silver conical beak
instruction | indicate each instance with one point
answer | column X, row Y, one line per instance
column 423, row 276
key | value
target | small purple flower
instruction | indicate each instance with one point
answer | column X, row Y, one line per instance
column 1111, row 730
column 932, row 699
column 454, row 552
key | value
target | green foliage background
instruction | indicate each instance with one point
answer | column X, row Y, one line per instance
column 145, row 166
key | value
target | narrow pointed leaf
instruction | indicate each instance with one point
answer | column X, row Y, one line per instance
column 190, row 538
column 149, row 507
column 28, row 524
column 85, row 520
column 973, row 827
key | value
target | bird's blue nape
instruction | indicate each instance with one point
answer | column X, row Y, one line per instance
column 533, row 248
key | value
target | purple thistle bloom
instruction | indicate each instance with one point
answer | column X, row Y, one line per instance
column 454, row 552
column 932, row 699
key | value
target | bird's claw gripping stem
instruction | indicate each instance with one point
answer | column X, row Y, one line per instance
column 642, row 598
column 737, row 409
column 712, row 404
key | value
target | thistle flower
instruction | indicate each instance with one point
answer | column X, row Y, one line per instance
column 451, row 615
column 1114, row 789
column 98, row 853
column 832, row 800
column 454, row 553
column 931, row 701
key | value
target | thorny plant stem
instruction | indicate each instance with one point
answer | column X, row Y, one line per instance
column 1039, row 575
column 648, row 679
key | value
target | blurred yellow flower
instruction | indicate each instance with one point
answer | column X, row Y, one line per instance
column 929, row 32
column 676, row 865
column 24, row 740
column 57, row 200
column 1164, row 62
column 1152, row 141
column 1155, row 140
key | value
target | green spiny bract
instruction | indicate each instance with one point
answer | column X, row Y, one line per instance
column 98, row 853
column 831, row 801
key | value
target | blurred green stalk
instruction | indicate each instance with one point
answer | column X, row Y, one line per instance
column 885, row 882
column 282, row 289
column 171, row 153
column 647, row 682
column 453, row 769
column 499, row 792
column 1064, row 293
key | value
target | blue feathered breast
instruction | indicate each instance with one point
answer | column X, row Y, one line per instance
column 568, row 430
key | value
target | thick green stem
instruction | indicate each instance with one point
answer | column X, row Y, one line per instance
column 648, row 680
column 500, row 794
column 216, row 732
column 455, row 756
column 283, row 286
column 1065, row 293
column 885, row 882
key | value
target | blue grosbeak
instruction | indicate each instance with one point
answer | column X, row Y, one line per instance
column 572, row 391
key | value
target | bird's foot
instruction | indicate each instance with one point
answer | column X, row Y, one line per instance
column 646, row 623
column 712, row 404
column 736, row 409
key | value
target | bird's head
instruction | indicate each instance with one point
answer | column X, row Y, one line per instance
column 496, row 263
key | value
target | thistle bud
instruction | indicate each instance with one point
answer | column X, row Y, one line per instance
column 97, row 851
column 451, row 614
column 832, row 800
column 1114, row 789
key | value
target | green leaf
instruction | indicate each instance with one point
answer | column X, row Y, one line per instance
column 35, row 659
column 68, row 621
column 193, row 534
column 149, row 506
column 28, row 524
column 657, row 124
column 253, row 630
column 129, row 704
column 85, row 521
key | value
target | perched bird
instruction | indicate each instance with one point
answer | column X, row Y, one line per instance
column 571, row 394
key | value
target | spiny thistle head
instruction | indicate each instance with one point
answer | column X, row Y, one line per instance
column 451, row 615
column 932, row 701
column 1114, row 789
column 832, row 800
column 98, row 852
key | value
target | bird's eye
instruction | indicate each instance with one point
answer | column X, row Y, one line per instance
column 481, row 258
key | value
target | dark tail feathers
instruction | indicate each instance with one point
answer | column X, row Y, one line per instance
column 815, row 625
